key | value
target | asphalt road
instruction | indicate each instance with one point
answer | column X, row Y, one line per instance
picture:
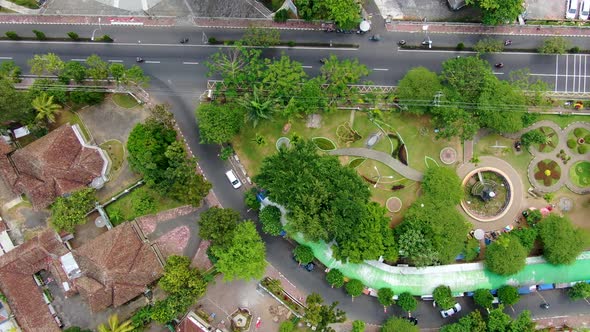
column 178, row 77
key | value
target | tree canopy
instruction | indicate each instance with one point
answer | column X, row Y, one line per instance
column 505, row 256
column 218, row 224
column 385, row 296
column 318, row 191
column 270, row 218
column 416, row 90
column 407, row 302
column 443, row 297
column 321, row 315
column 562, row 242
column 180, row 278
column 508, row 295
column 15, row 106
column 483, row 297
column 303, row 254
column 354, row 287
column 443, row 184
column 244, row 257
column 495, row 12
column 69, row 211
column 219, row 123
column 335, row 278
column 580, row 290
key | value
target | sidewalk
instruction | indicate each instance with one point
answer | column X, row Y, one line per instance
column 479, row 29
column 89, row 20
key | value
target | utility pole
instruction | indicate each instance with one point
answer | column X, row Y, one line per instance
column 426, row 40
column 437, row 97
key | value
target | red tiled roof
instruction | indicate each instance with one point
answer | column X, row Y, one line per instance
column 119, row 261
column 17, row 284
column 51, row 166
column 189, row 324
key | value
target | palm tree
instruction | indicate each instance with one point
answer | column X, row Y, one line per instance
column 46, row 109
column 256, row 109
column 114, row 325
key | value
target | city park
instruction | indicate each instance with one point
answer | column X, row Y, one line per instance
column 405, row 149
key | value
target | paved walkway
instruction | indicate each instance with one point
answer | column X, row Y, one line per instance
column 562, row 135
column 19, row 9
column 480, row 29
column 518, row 192
column 396, row 165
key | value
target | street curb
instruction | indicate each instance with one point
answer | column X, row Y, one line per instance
column 238, row 27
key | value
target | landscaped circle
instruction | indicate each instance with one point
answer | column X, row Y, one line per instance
column 580, row 174
column 577, row 140
column 547, row 172
column 488, row 194
column 393, row 204
column 551, row 140
column 448, row 155
column 283, row 142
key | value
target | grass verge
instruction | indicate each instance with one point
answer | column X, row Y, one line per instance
column 116, row 152
column 124, row 100
column 141, row 201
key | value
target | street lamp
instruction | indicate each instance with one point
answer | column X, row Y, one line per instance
column 427, row 40
column 99, row 28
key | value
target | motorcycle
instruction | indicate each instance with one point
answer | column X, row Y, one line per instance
column 545, row 306
column 375, row 38
column 508, row 42
column 139, row 60
column 401, row 42
column 499, row 65
column 184, row 40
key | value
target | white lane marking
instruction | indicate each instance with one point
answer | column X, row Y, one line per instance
column 566, row 69
column 498, row 73
column 556, row 70
column 585, row 71
column 307, row 66
column 574, row 74
column 190, row 63
column 558, row 75
column 380, row 69
column 79, row 60
column 116, row 4
column 5, row 58
column 152, row 62
column 115, row 60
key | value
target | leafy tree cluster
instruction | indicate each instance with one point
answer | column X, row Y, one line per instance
column 322, row 315
column 69, row 211
column 506, row 255
column 270, row 218
column 467, row 96
column 562, row 242
column 346, row 13
column 237, row 247
column 483, row 297
column 443, row 297
column 184, row 286
column 327, row 201
column 335, row 278
column 162, row 160
column 257, row 90
column 508, row 295
column 497, row 320
column 580, row 290
column 433, row 231
column 395, row 324
column 495, row 12
column 303, row 254
column 533, row 137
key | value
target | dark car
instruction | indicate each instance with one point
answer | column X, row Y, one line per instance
column 309, row 266
column 412, row 320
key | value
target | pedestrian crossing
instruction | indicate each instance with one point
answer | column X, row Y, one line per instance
column 572, row 74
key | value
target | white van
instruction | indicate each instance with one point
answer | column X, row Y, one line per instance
column 585, row 10
column 572, row 9
column 233, row 179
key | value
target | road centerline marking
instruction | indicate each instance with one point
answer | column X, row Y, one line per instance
column 79, row 60
column 306, row 66
column 117, row 61
column 380, row 69
column 190, row 63
column 5, row 58
column 152, row 62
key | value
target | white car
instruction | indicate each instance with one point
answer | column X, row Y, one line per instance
column 450, row 312
column 572, row 9
column 233, row 179
column 585, row 10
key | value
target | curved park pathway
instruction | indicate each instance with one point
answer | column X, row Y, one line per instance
column 396, row 165
column 562, row 135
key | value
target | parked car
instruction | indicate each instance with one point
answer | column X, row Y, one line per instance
column 233, row 179
column 585, row 10
column 450, row 312
column 572, row 9
column 309, row 266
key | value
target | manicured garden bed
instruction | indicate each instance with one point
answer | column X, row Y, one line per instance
column 547, row 172
column 578, row 140
column 552, row 140
column 124, row 100
column 580, row 174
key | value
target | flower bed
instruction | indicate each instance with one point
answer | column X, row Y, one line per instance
column 324, row 144
column 580, row 174
column 547, row 172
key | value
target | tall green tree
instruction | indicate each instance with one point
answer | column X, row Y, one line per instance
column 483, row 297
column 317, row 190
column 346, row 13
column 115, row 326
column 180, row 278
column 257, row 107
column 443, row 184
column 562, row 242
column 49, row 64
column 117, row 71
column 354, row 287
column 505, row 256
column 321, row 315
column 135, row 75
column 46, row 108
column 238, row 66
column 523, row 323
column 417, row 89
column 283, row 78
column 358, row 326
column 455, row 122
column 473, row 322
column 498, row 321
column 10, row 71
column 98, row 69
column 407, row 302
column 335, row 278
column 580, row 290
column 218, row 224
column 443, row 297
column 258, row 36
column 385, row 297
column 340, row 73
column 501, row 107
column 495, row 12
column 303, row 254
column 395, row 324
column 147, row 144
column 508, row 295
column 466, row 78
column 68, row 212
column 244, row 257
column 270, row 218
column 73, row 70
column 219, row 123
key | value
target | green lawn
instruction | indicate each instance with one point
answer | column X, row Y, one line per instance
column 33, row 4
column 139, row 202
column 580, row 174
column 6, row 10
column 490, row 146
column 124, row 100
column 116, row 152
column 564, row 120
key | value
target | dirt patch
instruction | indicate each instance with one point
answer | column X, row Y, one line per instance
column 314, row 121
